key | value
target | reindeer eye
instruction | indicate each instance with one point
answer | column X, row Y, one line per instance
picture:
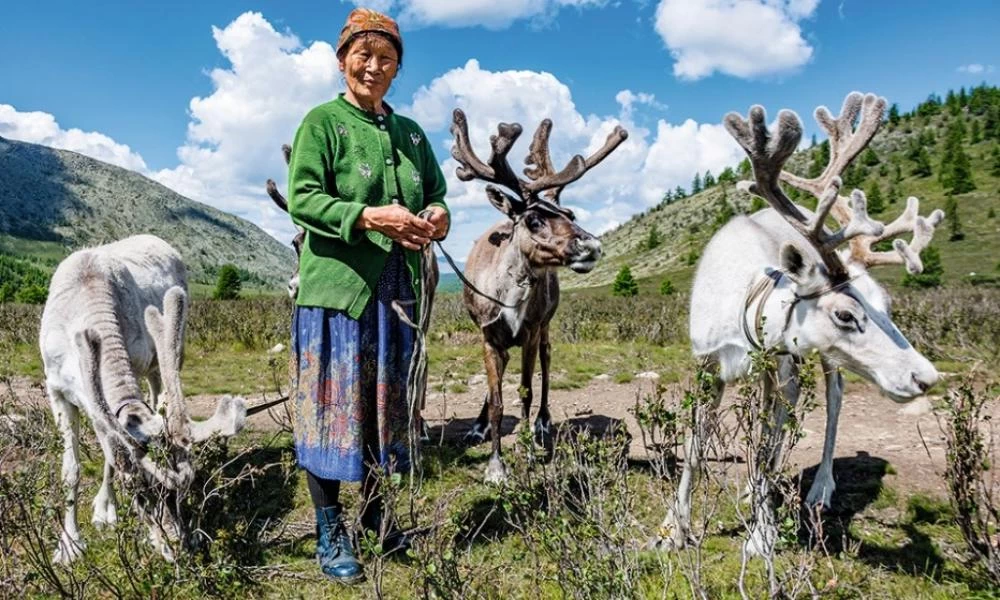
column 845, row 319
column 534, row 222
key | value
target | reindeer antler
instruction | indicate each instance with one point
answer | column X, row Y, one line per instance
column 846, row 142
column 768, row 154
column 907, row 254
column 543, row 175
column 497, row 169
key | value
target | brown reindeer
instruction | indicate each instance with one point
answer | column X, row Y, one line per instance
column 300, row 236
column 513, row 265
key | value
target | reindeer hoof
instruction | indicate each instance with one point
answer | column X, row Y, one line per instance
column 496, row 472
column 819, row 495
column 69, row 550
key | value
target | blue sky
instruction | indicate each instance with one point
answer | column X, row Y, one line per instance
column 199, row 95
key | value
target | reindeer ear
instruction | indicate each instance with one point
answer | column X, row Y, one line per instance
column 800, row 268
column 504, row 202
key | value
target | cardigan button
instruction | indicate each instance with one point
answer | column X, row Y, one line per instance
column 388, row 161
column 382, row 127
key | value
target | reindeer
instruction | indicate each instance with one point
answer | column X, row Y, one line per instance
column 777, row 281
column 101, row 329
column 513, row 265
column 300, row 235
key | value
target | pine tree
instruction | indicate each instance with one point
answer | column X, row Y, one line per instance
column 954, row 222
column 897, row 176
column 709, row 180
column 991, row 213
column 975, row 132
column 679, row 193
column 922, row 163
column 228, row 284
column 893, row 194
column 812, row 143
column 821, row 156
column 956, row 169
column 893, row 115
column 995, row 161
column 727, row 175
column 869, row 158
column 991, row 125
column 696, row 184
column 624, row 284
column 875, row 204
column 952, row 104
column 931, row 275
column 654, row 238
column 961, row 173
column 667, row 288
column 745, row 168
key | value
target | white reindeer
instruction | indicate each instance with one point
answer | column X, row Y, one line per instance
column 96, row 338
column 775, row 280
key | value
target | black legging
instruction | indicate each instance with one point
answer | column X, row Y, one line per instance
column 324, row 492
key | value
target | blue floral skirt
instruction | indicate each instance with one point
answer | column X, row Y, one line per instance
column 349, row 386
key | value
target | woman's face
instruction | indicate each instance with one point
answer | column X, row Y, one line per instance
column 369, row 67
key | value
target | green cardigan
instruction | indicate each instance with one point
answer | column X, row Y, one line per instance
column 344, row 159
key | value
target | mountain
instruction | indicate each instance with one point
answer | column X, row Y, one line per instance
column 682, row 227
column 55, row 201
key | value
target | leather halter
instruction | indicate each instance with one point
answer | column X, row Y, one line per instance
column 760, row 291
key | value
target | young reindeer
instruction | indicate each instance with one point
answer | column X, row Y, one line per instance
column 515, row 263
column 777, row 281
column 95, row 343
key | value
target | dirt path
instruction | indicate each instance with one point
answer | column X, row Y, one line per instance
column 870, row 424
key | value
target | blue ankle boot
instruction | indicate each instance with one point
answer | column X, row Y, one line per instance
column 333, row 546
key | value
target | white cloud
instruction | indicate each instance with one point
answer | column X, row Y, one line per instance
column 633, row 178
column 487, row 13
column 42, row 128
column 744, row 38
column 235, row 134
column 975, row 69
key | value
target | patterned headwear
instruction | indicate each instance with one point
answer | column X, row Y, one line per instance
column 364, row 19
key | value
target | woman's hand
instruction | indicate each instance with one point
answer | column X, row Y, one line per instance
column 439, row 219
column 402, row 226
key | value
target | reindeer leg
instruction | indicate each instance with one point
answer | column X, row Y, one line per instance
column 67, row 417
column 543, row 421
column 105, row 511
column 675, row 531
column 154, row 381
column 823, row 486
column 496, row 363
column 528, row 355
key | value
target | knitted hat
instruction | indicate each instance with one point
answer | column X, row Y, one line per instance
column 362, row 20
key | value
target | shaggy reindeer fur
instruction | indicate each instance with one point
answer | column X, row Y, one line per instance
column 822, row 300
column 95, row 342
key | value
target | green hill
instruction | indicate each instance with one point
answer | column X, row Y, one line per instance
column 683, row 226
column 55, row 201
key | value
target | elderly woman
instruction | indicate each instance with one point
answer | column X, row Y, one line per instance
column 359, row 174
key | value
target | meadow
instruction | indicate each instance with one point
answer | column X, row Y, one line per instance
column 575, row 518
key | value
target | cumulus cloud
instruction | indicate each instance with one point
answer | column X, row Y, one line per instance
column 744, row 38
column 486, row 13
column 235, row 133
column 975, row 69
column 633, row 178
column 41, row 128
